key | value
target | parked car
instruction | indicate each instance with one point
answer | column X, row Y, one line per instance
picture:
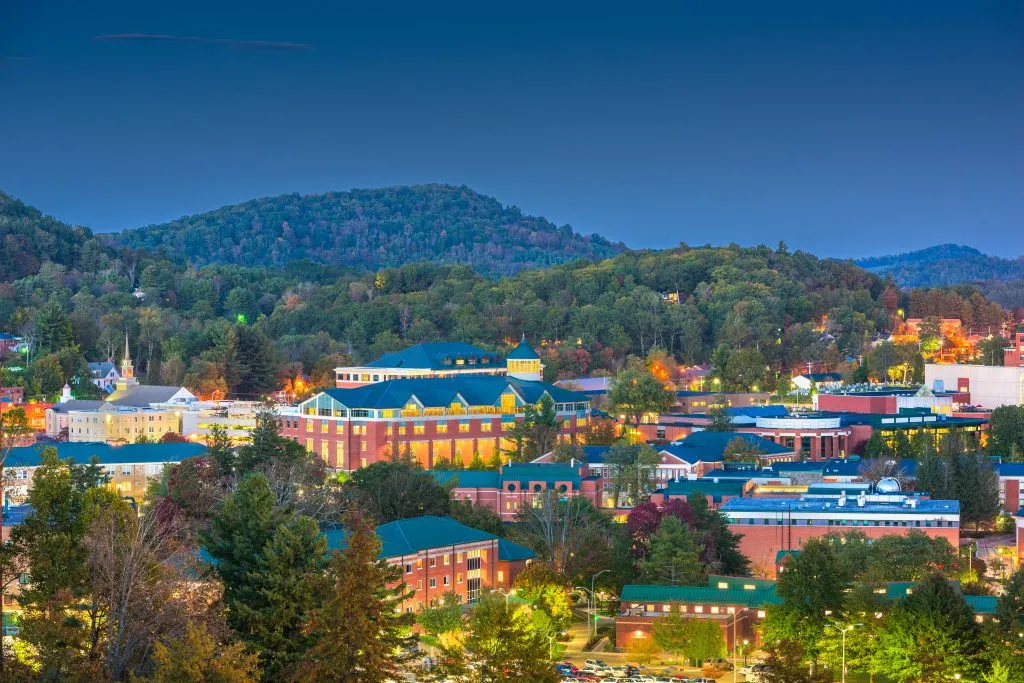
column 596, row 663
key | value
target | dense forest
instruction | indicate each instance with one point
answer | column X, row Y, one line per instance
column 373, row 228
column 1001, row 280
column 225, row 329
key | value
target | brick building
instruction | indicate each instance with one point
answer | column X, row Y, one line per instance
column 507, row 490
column 440, row 555
column 1013, row 355
column 770, row 525
column 737, row 604
column 435, row 419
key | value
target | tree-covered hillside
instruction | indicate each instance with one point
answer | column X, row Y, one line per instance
column 28, row 239
column 373, row 229
column 944, row 265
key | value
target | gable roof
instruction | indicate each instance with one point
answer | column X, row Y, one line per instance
column 82, row 453
column 142, row 395
column 440, row 392
column 437, row 356
column 705, row 446
column 75, row 404
column 102, row 369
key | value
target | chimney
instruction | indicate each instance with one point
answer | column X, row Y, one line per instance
column 572, row 462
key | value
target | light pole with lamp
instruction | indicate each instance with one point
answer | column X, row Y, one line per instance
column 586, row 592
column 845, row 629
column 593, row 598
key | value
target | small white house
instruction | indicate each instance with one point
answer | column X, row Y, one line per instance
column 104, row 375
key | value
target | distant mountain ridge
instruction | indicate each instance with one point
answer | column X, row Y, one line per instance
column 374, row 228
column 1000, row 279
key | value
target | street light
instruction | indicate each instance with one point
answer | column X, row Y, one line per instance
column 593, row 597
column 845, row 629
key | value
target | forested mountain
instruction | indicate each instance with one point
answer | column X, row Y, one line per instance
column 1000, row 279
column 373, row 229
column 28, row 239
column 227, row 329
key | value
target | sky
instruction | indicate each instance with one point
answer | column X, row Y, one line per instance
column 842, row 128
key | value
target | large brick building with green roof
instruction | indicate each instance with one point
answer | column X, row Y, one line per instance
column 432, row 419
column 438, row 555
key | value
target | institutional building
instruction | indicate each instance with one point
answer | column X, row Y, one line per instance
column 513, row 487
column 989, row 386
column 438, row 555
column 433, row 419
column 236, row 418
column 771, row 525
column 130, row 413
column 737, row 604
column 130, row 467
column 442, row 359
column 1013, row 355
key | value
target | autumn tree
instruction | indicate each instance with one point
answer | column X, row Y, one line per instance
column 196, row 656
column 635, row 392
column 360, row 632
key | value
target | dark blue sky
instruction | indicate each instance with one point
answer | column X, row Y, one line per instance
column 845, row 128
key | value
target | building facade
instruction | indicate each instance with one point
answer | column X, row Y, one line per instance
column 236, row 418
column 514, row 487
column 770, row 525
column 989, row 386
column 433, row 420
column 129, row 467
column 438, row 555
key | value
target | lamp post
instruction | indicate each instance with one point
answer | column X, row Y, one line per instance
column 593, row 598
column 746, row 643
column 845, row 629
column 586, row 591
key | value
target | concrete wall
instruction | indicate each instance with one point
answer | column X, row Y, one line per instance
column 989, row 386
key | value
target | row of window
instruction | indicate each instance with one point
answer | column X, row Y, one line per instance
column 690, row 609
column 917, row 523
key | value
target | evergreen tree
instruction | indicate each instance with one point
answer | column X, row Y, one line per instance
column 271, row 564
column 387, row 491
column 257, row 366
column 53, row 328
column 674, row 556
column 219, row 448
column 930, row 635
column 361, row 632
column 876, row 447
column 721, row 553
column 1006, row 432
column 266, row 444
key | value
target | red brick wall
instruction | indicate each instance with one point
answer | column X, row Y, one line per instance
column 627, row 628
column 857, row 404
column 761, row 543
column 377, row 443
column 1011, row 502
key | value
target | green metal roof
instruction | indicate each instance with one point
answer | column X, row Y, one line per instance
column 981, row 604
column 470, row 479
column 410, row 536
column 82, row 452
column 524, row 473
column 698, row 595
column 438, row 356
column 441, row 392
column 523, row 351
column 715, row 490
column 512, row 552
column 740, row 582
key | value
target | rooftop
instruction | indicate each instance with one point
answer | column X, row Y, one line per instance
column 476, row 390
column 437, row 356
column 410, row 536
column 523, row 351
column 31, row 456
column 875, row 505
column 715, row 490
column 707, row 446
column 142, row 395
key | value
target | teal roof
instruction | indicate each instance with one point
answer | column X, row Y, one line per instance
column 438, row 356
column 523, row 473
column 82, row 452
column 715, row 490
column 523, row 351
column 513, row 552
column 470, row 479
column 740, row 582
column 698, row 595
column 707, row 446
column 410, row 536
column 441, row 392
column 981, row 604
